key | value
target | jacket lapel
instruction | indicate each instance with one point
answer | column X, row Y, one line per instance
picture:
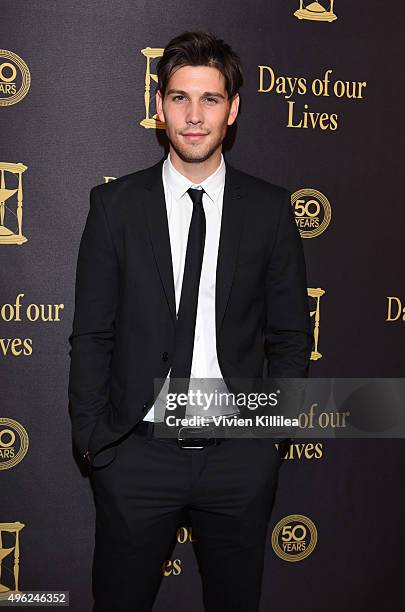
column 156, row 215
column 233, row 209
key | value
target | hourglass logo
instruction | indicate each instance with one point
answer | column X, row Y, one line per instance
column 10, row 559
column 315, row 293
column 316, row 11
column 151, row 120
column 13, row 443
column 11, row 214
column 15, row 78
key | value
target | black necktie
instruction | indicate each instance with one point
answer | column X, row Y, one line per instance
column 186, row 315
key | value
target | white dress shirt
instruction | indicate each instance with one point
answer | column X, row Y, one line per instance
column 179, row 207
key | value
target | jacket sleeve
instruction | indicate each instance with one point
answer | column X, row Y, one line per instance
column 92, row 337
column 287, row 334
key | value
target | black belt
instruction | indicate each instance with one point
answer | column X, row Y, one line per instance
column 187, row 437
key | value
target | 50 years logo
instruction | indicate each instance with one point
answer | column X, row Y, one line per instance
column 15, row 78
column 13, row 443
column 294, row 537
column 312, row 212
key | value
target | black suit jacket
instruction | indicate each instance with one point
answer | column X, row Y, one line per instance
column 123, row 334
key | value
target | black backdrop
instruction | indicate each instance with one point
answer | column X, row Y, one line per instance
column 79, row 123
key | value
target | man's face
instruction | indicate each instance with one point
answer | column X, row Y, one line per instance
column 196, row 111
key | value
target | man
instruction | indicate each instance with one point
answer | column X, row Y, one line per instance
column 189, row 268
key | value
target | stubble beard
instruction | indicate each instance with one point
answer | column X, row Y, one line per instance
column 197, row 153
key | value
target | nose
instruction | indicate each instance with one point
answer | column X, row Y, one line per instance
column 194, row 112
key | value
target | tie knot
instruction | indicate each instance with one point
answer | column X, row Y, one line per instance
column 196, row 195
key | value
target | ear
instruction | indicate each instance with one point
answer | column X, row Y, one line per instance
column 233, row 113
column 159, row 106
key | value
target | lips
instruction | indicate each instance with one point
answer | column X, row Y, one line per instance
column 192, row 136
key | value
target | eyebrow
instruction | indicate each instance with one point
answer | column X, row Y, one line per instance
column 212, row 94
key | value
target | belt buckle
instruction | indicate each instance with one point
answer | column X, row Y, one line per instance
column 191, row 443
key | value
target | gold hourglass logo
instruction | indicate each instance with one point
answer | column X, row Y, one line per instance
column 10, row 574
column 315, row 11
column 150, row 121
column 316, row 293
column 12, row 232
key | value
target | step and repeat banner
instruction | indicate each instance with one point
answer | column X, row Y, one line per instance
column 321, row 114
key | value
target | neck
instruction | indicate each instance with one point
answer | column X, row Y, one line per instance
column 196, row 172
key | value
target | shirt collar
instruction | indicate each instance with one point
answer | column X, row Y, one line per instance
column 179, row 184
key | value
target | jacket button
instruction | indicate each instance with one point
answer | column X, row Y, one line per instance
column 165, row 356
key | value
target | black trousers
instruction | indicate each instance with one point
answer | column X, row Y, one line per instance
column 228, row 490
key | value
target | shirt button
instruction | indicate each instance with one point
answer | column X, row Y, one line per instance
column 165, row 356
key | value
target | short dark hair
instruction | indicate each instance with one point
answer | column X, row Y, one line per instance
column 200, row 49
